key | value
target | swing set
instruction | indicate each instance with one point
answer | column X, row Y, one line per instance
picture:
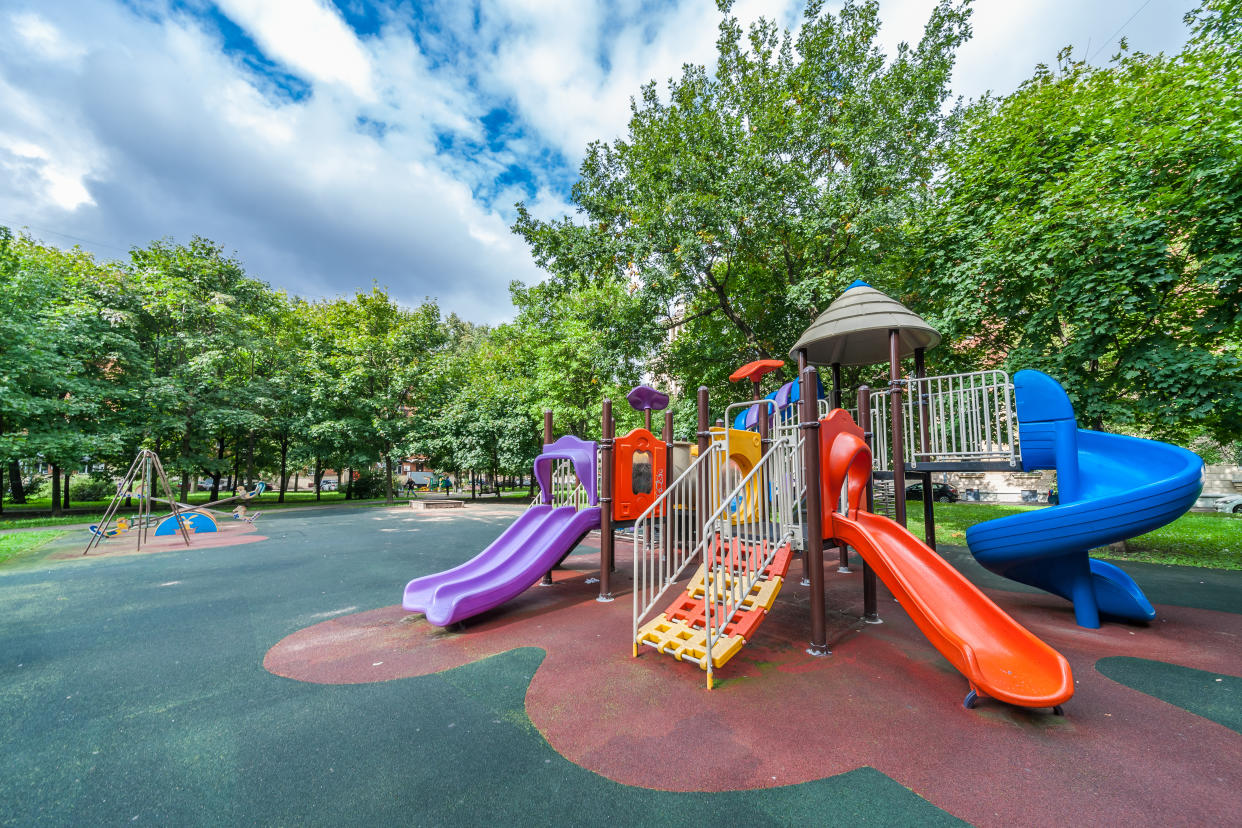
column 146, row 471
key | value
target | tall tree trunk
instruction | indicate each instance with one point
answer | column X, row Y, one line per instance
column 473, row 485
column 387, row 478
column 349, row 484
column 68, row 474
column 318, row 477
column 215, row 475
column 297, row 479
column 284, row 468
column 185, row 453
column 55, row 490
column 16, row 490
column 250, row 460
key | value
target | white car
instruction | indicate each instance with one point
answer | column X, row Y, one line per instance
column 1229, row 503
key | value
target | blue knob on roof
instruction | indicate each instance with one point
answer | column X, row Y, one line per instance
column 857, row 283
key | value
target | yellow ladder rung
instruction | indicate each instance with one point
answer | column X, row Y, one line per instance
column 687, row 643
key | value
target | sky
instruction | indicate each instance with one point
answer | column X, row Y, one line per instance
column 335, row 144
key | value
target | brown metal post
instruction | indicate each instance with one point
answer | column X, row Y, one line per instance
column 929, row 507
column 813, row 561
column 870, row 614
column 756, row 394
column 668, row 448
column 899, row 449
column 605, row 504
column 547, row 440
column 802, row 365
column 647, row 419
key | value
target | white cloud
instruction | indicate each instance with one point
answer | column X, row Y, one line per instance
column 43, row 38
column 123, row 127
column 1009, row 39
column 548, row 59
column 307, row 36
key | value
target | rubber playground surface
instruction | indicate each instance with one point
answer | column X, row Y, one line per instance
column 275, row 680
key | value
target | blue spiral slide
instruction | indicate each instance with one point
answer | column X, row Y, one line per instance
column 1111, row 487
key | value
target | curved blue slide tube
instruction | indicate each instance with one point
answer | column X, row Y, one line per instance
column 1112, row 487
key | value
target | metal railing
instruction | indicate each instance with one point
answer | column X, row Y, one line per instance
column 669, row 534
column 742, row 543
column 567, row 489
column 749, row 518
column 961, row 417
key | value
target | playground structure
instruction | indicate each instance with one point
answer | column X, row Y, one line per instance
column 144, row 473
column 741, row 507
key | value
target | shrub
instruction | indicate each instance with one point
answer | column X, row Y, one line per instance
column 85, row 487
column 370, row 484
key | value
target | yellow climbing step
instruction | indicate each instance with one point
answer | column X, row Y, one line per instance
column 686, row 643
column 762, row 594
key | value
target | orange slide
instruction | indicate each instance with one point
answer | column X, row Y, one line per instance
column 999, row 657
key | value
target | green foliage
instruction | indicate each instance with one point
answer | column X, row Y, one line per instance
column 369, row 485
column 1089, row 227
column 741, row 202
column 88, row 487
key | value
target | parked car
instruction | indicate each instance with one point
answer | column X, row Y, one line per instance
column 1231, row 504
column 327, row 485
column 941, row 493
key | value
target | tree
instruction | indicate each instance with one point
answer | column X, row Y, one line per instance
column 71, row 358
column 1089, row 226
column 738, row 207
column 201, row 326
column 375, row 353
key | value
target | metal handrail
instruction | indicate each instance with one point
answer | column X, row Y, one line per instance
column 962, row 417
column 567, row 489
column 668, row 535
column 747, row 543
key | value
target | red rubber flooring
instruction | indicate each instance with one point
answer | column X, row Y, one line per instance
column 884, row 699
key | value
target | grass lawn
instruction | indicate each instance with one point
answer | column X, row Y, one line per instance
column 12, row 519
column 17, row 544
column 1207, row 539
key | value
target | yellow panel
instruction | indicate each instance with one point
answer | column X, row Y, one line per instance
column 725, row 649
column 764, row 594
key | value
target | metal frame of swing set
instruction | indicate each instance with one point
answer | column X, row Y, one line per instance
column 147, row 469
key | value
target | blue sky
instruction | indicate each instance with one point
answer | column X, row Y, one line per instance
column 337, row 143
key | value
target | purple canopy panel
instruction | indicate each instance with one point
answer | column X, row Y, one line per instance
column 784, row 396
column 646, row 398
column 583, row 453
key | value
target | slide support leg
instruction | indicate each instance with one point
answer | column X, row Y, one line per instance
column 1082, row 593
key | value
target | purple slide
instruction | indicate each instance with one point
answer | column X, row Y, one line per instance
column 531, row 546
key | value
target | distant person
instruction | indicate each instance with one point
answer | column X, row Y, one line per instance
column 409, row 485
column 1053, row 497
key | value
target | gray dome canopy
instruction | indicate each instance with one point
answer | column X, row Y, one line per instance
column 854, row 329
